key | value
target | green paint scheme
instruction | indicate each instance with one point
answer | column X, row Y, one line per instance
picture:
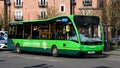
column 63, row 46
column 38, row 46
column 44, row 45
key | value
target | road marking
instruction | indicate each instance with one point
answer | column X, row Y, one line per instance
column 33, row 57
column 41, row 58
column 115, row 59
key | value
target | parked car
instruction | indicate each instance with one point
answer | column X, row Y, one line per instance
column 119, row 40
column 113, row 41
column 3, row 43
column 4, row 34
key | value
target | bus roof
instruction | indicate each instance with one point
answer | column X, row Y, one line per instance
column 28, row 21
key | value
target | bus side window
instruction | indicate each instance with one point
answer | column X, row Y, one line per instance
column 13, row 32
column 45, row 32
column 26, row 35
column 56, row 35
column 10, row 31
column 72, row 31
column 29, row 36
column 35, row 32
column 27, row 31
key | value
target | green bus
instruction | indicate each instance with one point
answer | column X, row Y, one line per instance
column 71, row 35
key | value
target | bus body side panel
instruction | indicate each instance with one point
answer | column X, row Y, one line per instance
column 11, row 45
column 70, row 47
column 63, row 46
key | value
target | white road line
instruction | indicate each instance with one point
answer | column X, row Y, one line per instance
column 115, row 59
column 10, row 55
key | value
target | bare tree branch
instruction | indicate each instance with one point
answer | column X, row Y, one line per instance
column 52, row 12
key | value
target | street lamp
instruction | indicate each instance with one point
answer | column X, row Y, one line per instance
column 72, row 6
column 6, row 19
column 8, row 4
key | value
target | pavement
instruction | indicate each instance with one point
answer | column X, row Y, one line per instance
column 113, row 52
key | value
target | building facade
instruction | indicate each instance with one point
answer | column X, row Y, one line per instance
column 40, row 9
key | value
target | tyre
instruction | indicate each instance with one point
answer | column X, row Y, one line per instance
column 18, row 50
column 54, row 51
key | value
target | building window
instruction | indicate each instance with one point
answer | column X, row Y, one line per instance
column 62, row 8
column 43, row 15
column 42, row 3
column 18, row 3
column 18, row 15
column 86, row 12
column 87, row 2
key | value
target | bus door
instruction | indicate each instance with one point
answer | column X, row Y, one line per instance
column 66, row 33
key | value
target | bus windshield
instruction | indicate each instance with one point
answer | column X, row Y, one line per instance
column 88, row 29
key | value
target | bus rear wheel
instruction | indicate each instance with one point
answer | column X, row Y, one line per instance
column 54, row 51
column 18, row 50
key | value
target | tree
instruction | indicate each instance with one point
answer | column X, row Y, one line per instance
column 114, row 15
column 1, row 18
column 52, row 12
column 4, row 16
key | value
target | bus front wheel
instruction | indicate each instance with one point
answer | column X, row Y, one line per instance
column 18, row 49
column 54, row 51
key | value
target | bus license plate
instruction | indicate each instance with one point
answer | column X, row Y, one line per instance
column 91, row 52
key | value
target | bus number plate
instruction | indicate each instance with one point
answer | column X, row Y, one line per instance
column 91, row 52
